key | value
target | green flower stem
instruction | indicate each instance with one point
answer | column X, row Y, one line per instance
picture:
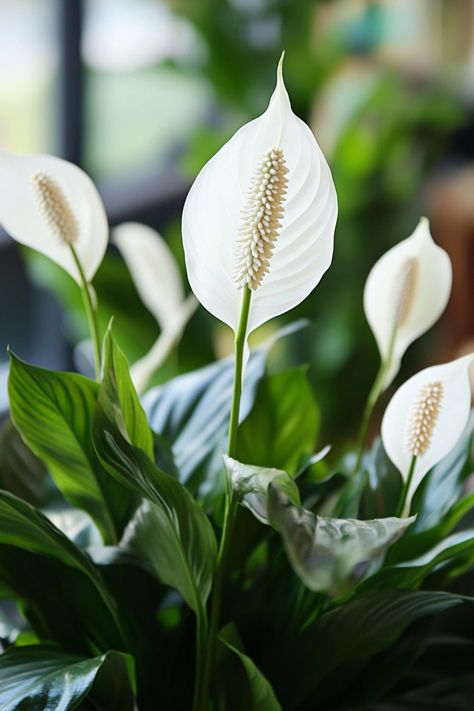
column 201, row 637
column 406, row 487
column 374, row 394
column 231, row 505
column 90, row 312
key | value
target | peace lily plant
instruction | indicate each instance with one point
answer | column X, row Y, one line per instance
column 145, row 586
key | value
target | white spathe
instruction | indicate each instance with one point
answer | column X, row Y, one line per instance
column 454, row 410
column 430, row 289
column 213, row 213
column 158, row 281
column 21, row 216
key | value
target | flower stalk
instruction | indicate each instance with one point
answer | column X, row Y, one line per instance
column 90, row 310
column 231, row 505
column 406, row 487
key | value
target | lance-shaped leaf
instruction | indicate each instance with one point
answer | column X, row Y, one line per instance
column 250, row 484
column 159, row 284
column 261, row 212
column 186, row 547
column 53, row 413
column 260, row 693
column 426, row 418
column 330, row 554
column 48, row 204
column 405, row 294
column 43, row 678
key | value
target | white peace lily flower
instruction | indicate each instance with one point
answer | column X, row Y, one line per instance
column 159, row 285
column 261, row 214
column 425, row 419
column 406, row 292
column 51, row 205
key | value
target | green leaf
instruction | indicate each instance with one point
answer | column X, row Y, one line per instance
column 21, row 472
column 41, row 678
column 30, row 576
column 457, row 548
column 330, row 554
column 129, row 416
column 286, row 418
column 262, row 696
column 251, row 484
column 192, row 411
column 173, row 533
column 329, row 654
column 53, row 413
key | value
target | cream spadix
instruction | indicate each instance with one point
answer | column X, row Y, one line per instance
column 406, row 292
column 261, row 214
column 50, row 205
column 426, row 417
column 159, row 284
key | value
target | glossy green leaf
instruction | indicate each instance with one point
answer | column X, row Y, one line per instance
column 53, row 412
column 192, row 411
column 262, row 696
column 251, row 484
column 116, row 380
column 329, row 654
column 330, row 554
column 457, row 548
column 286, row 418
column 183, row 549
column 51, row 680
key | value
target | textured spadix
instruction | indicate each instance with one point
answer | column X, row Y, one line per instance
column 407, row 290
column 426, row 417
column 267, row 197
column 158, row 281
column 47, row 203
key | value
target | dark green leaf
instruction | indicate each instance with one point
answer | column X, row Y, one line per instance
column 51, row 680
column 53, row 412
column 182, row 546
column 329, row 553
column 21, row 472
column 329, row 654
column 286, row 418
column 261, row 693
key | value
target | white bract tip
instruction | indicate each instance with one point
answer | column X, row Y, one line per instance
column 49, row 204
column 261, row 213
column 426, row 418
column 406, row 292
column 157, row 279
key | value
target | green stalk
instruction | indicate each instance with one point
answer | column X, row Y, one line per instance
column 90, row 312
column 201, row 636
column 374, row 394
column 406, row 487
column 231, row 505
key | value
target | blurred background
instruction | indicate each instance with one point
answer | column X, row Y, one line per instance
column 141, row 93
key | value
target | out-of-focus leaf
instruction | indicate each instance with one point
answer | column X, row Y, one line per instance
column 53, row 413
column 286, row 418
column 454, row 694
column 330, row 652
column 184, row 547
column 21, row 473
column 251, row 484
column 192, row 411
column 262, row 696
column 329, row 554
column 42, row 678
